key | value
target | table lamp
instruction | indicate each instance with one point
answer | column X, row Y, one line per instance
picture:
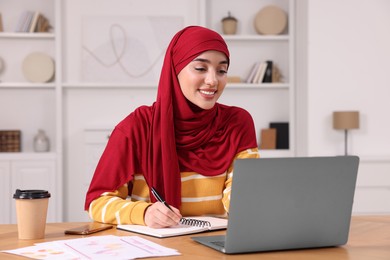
column 346, row 120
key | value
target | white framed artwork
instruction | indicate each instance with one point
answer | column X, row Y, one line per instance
column 125, row 49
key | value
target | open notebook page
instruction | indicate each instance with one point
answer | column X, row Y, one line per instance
column 216, row 224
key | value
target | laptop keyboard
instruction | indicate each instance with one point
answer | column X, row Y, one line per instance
column 219, row 243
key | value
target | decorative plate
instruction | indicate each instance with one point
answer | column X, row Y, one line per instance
column 38, row 67
column 270, row 20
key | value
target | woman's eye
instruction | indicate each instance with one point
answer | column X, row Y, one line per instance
column 200, row 69
column 222, row 71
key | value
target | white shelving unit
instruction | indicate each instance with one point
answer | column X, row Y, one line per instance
column 30, row 106
column 68, row 107
column 248, row 47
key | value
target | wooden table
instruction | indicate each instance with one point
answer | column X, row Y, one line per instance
column 369, row 239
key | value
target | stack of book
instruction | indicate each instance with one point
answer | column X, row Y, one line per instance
column 263, row 72
column 282, row 134
column 276, row 136
column 32, row 22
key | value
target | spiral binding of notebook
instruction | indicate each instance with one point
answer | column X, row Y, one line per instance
column 195, row 222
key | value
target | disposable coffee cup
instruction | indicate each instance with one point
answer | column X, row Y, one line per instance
column 31, row 212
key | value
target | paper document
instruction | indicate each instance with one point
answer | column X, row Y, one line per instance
column 95, row 247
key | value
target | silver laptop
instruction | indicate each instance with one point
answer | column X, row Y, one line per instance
column 288, row 203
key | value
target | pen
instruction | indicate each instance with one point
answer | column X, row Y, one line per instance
column 185, row 221
column 159, row 198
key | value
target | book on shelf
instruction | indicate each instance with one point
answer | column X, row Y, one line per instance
column 268, row 72
column 257, row 73
column 1, row 24
column 43, row 24
column 276, row 75
column 260, row 73
column 282, row 134
column 263, row 72
column 252, row 72
column 179, row 230
column 233, row 79
column 22, row 21
column 32, row 22
column 27, row 22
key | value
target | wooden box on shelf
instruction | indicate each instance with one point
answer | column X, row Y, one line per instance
column 268, row 139
column 10, row 141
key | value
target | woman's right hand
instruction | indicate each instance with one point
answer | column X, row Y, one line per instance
column 158, row 215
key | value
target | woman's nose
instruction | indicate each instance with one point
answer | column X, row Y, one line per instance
column 211, row 79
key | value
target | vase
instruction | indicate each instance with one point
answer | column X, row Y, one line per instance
column 229, row 25
column 41, row 142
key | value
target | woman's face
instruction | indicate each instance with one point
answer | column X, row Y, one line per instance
column 203, row 80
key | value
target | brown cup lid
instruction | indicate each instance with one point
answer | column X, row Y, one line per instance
column 31, row 194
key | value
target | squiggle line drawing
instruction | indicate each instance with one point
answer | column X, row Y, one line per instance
column 120, row 52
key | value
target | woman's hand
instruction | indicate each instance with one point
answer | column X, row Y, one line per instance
column 159, row 216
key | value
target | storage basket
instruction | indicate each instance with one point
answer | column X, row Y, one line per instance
column 10, row 141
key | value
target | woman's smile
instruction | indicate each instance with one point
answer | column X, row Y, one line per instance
column 207, row 93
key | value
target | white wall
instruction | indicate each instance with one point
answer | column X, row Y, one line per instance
column 348, row 69
column 347, row 61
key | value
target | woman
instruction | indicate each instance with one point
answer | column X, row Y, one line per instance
column 183, row 145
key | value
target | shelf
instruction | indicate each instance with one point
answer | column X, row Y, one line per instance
column 99, row 85
column 25, row 85
column 17, row 35
column 275, row 153
column 28, row 156
column 270, row 86
column 256, row 37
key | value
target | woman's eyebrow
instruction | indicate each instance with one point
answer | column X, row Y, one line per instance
column 208, row 61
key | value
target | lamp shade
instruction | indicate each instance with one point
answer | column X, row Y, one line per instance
column 346, row 119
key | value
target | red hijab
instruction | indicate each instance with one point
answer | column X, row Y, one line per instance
column 174, row 135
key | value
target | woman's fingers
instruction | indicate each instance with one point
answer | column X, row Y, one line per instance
column 159, row 216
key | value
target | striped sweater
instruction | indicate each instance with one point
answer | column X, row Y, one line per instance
column 201, row 195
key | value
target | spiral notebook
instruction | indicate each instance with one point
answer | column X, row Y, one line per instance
column 215, row 223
